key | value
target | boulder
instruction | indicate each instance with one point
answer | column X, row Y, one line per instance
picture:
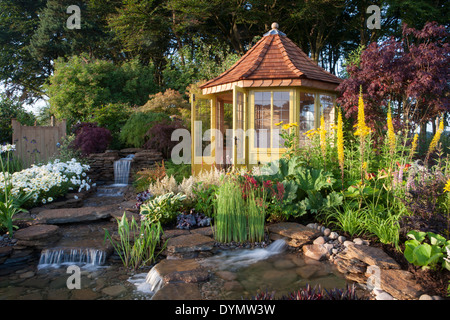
column 178, row 291
column 37, row 235
column 297, row 234
column 73, row 215
column 400, row 284
column 371, row 256
column 315, row 251
column 189, row 243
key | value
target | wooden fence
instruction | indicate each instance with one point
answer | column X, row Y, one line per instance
column 37, row 144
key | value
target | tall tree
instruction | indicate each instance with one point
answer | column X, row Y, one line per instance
column 410, row 73
column 20, row 73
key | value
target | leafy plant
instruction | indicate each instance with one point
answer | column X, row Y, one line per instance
column 205, row 198
column 137, row 243
column 89, row 138
column 10, row 204
column 192, row 219
column 349, row 218
column 160, row 137
column 426, row 255
column 163, row 209
column 134, row 131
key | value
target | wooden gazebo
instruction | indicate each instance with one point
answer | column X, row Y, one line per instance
column 233, row 120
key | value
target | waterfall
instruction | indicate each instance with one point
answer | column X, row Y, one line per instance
column 122, row 170
column 233, row 260
column 148, row 283
column 58, row 256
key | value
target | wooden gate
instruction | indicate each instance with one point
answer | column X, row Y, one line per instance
column 37, row 144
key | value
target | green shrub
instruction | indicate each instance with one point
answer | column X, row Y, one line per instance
column 426, row 255
column 134, row 131
column 163, row 209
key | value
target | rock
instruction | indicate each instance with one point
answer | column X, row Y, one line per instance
column 84, row 294
column 319, row 240
column 348, row 243
column 299, row 234
column 206, row 231
column 172, row 233
column 425, row 297
column 74, row 215
column 226, row 275
column 178, row 291
column 400, row 284
column 341, row 239
column 189, row 243
column 232, row 286
column 283, row 264
column 307, row 271
column 5, row 252
column 384, row 296
column 315, row 251
column 371, row 256
column 358, row 241
column 181, row 270
column 27, row 275
column 333, row 235
column 37, row 235
column 114, row 291
column 326, row 232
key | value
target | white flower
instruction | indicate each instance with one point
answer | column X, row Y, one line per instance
column 50, row 199
column 8, row 148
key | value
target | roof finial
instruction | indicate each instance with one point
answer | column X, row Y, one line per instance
column 274, row 30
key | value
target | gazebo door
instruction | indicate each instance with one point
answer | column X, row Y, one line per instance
column 239, row 126
column 202, row 128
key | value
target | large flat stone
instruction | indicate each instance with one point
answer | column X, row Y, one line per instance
column 189, row 243
column 400, row 284
column 178, row 291
column 181, row 270
column 372, row 256
column 73, row 215
column 37, row 235
column 297, row 234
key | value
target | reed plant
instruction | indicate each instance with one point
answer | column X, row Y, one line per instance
column 237, row 218
column 138, row 242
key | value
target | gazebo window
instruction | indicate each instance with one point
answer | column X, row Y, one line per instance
column 271, row 107
column 307, row 114
column 327, row 109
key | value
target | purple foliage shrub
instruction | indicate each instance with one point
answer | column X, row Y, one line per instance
column 159, row 137
column 89, row 138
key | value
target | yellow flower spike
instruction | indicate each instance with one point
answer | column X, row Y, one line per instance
column 361, row 128
column 447, row 186
column 414, row 144
column 323, row 135
column 340, row 140
column 279, row 123
column 391, row 132
column 436, row 137
column 286, row 126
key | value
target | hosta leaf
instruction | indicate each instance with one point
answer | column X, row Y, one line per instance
column 422, row 254
column 417, row 235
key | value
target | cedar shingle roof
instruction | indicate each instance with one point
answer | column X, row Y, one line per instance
column 275, row 57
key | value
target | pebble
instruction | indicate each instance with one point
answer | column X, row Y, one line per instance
column 333, row 235
column 341, row 239
column 319, row 240
column 326, row 232
column 358, row 241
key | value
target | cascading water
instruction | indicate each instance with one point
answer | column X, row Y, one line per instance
column 148, row 283
column 122, row 170
column 63, row 256
column 233, row 260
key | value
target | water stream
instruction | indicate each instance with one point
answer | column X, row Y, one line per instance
column 122, row 170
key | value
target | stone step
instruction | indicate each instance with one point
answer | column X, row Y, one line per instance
column 74, row 215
